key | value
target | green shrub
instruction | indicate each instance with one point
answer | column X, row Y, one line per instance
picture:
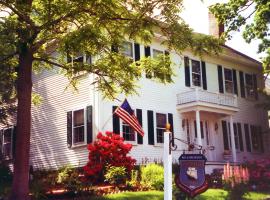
column 68, row 177
column 152, row 176
column 134, row 179
column 115, row 175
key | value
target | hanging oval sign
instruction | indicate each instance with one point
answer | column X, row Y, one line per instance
column 191, row 177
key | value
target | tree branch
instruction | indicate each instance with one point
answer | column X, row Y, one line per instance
column 50, row 62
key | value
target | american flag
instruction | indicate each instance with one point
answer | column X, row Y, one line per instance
column 126, row 113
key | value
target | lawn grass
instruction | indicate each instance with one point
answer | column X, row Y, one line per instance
column 210, row 194
column 148, row 195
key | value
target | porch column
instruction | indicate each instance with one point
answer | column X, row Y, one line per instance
column 198, row 125
column 232, row 139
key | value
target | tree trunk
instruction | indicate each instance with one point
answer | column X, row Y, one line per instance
column 20, row 185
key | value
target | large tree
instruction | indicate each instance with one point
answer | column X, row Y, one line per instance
column 38, row 34
column 254, row 16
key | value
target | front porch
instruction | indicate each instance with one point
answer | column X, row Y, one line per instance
column 202, row 112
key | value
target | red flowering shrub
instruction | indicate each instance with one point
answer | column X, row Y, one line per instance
column 259, row 173
column 108, row 149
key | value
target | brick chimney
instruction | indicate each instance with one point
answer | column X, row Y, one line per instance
column 215, row 29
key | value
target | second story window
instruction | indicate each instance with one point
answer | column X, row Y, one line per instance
column 249, row 86
column 196, row 73
column 228, row 80
column 78, row 126
column 160, row 126
column 127, row 49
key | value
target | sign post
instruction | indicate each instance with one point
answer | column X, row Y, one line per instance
column 167, row 162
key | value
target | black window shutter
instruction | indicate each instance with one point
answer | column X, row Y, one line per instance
column 14, row 137
column 239, row 130
column 150, row 123
column 137, row 51
column 116, row 122
column 69, row 129
column 204, row 79
column 195, row 128
column 235, row 82
column 187, row 71
column 220, row 79
column 89, row 129
column 147, row 51
column 247, row 137
column 242, row 84
column 139, row 117
column 170, row 120
column 255, row 86
column 225, row 135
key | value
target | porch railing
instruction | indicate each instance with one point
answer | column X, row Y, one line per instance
column 198, row 95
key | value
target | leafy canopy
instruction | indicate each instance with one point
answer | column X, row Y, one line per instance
column 52, row 28
column 238, row 13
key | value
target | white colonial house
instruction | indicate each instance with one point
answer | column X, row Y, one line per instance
column 212, row 102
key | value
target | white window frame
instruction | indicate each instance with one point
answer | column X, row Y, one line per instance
column 191, row 72
column 135, row 142
column 85, row 127
column 11, row 143
column 224, row 81
column 248, row 96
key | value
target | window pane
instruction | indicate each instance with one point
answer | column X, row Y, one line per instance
column 127, row 49
column 78, row 117
column 78, row 134
column 161, row 120
column 229, row 87
column 196, row 79
column 249, row 79
column 196, row 66
column 228, row 74
column 160, row 135
column 128, row 132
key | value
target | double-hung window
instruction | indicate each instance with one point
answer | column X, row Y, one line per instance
column 196, row 73
column 161, row 120
column 228, row 80
column 6, row 143
column 249, row 86
column 79, row 127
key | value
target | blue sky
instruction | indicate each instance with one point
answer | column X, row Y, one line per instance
column 196, row 15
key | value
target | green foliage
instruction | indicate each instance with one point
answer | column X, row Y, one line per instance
column 237, row 13
column 134, row 178
column 68, row 177
column 115, row 175
column 152, row 176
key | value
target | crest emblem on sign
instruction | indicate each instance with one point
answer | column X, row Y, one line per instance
column 191, row 176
